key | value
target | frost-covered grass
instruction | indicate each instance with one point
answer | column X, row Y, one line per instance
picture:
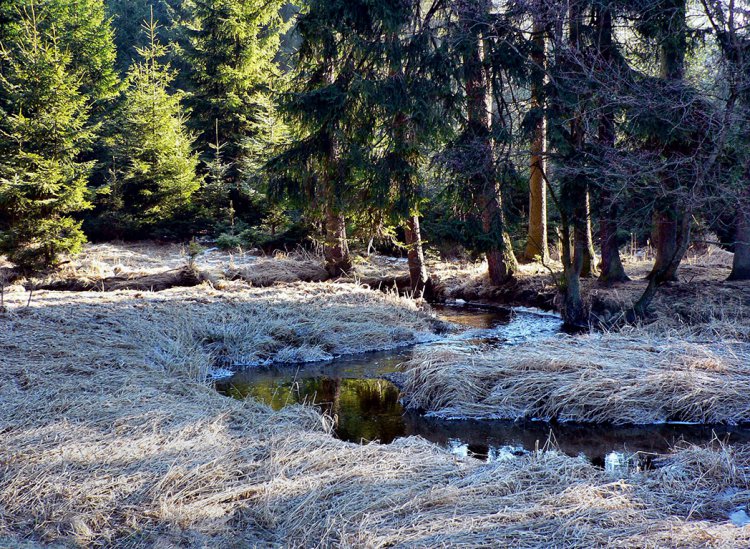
column 109, row 436
column 637, row 376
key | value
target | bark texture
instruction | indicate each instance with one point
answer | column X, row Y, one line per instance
column 573, row 199
column 537, row 246
column 502, row 263
column 611, row 268
column 418, row 274
column 335, row 246
column 336, row 249
column 589, row 259
column 664, row 238
column 667, row 217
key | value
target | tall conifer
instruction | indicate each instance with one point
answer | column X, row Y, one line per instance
column 44, row 126
column 155, row 172
column 231, row 50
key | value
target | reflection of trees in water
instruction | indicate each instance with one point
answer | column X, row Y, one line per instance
column 364, row 409
column 593, row 441
column 369, row 409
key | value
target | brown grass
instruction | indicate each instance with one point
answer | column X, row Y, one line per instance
column 109, row 437
column 299, row 266
column 639, row 376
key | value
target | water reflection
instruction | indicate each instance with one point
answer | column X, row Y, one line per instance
column 366, row 407
column 363, row 409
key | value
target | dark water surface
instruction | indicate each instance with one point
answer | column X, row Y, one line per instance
column 367, row 407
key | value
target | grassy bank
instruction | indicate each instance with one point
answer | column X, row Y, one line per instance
column 109, row 437
column 701, row 295
column 637, row 376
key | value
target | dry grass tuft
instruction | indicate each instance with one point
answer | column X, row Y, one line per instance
column 299, row 266
column 108, row 433
column 632, row 377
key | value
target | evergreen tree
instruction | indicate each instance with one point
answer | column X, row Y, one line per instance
column 312, row 170
column 82, row 29
column 608, row 60
column 155, row 166
column 484, row 59
column 44, row 128
column 127, row 16
column 231, row 50
column 536, row 243
column 671, row 221
column 398, row 119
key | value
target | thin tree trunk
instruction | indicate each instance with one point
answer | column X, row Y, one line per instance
column 741, row 265
column 502, row 264
column 589, row 258
column 573, row 199
column 336, row 244
column 612, row 270
column 407, row 186
column 573, row 309
column 537, row 247
column 667, row 217
column 336, row 247
column 417, row 267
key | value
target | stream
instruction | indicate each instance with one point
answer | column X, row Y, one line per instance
column 367, row 407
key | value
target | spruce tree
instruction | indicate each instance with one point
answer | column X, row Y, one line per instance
column 155, row 165
column 82, row 29
column 127, row 16
column 537, row 243
column 484, row 57
column 230, row 53
column 44, row 127
column 312, row 170
column 397, row 119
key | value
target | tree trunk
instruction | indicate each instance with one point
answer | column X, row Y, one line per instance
column 666, row 272
column 501, row 261
column 482, row 181
column 667, row 216
column 408, row 187
column 418, row 275
column 574, row 207
column 741, row 265
column 573, row 309
column 336, row 246
column 612, row 270
column 537, row 247
column 664, row 237
column 589, row 258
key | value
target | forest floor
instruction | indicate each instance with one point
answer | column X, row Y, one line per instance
column 110, row 433
column 702, row 294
